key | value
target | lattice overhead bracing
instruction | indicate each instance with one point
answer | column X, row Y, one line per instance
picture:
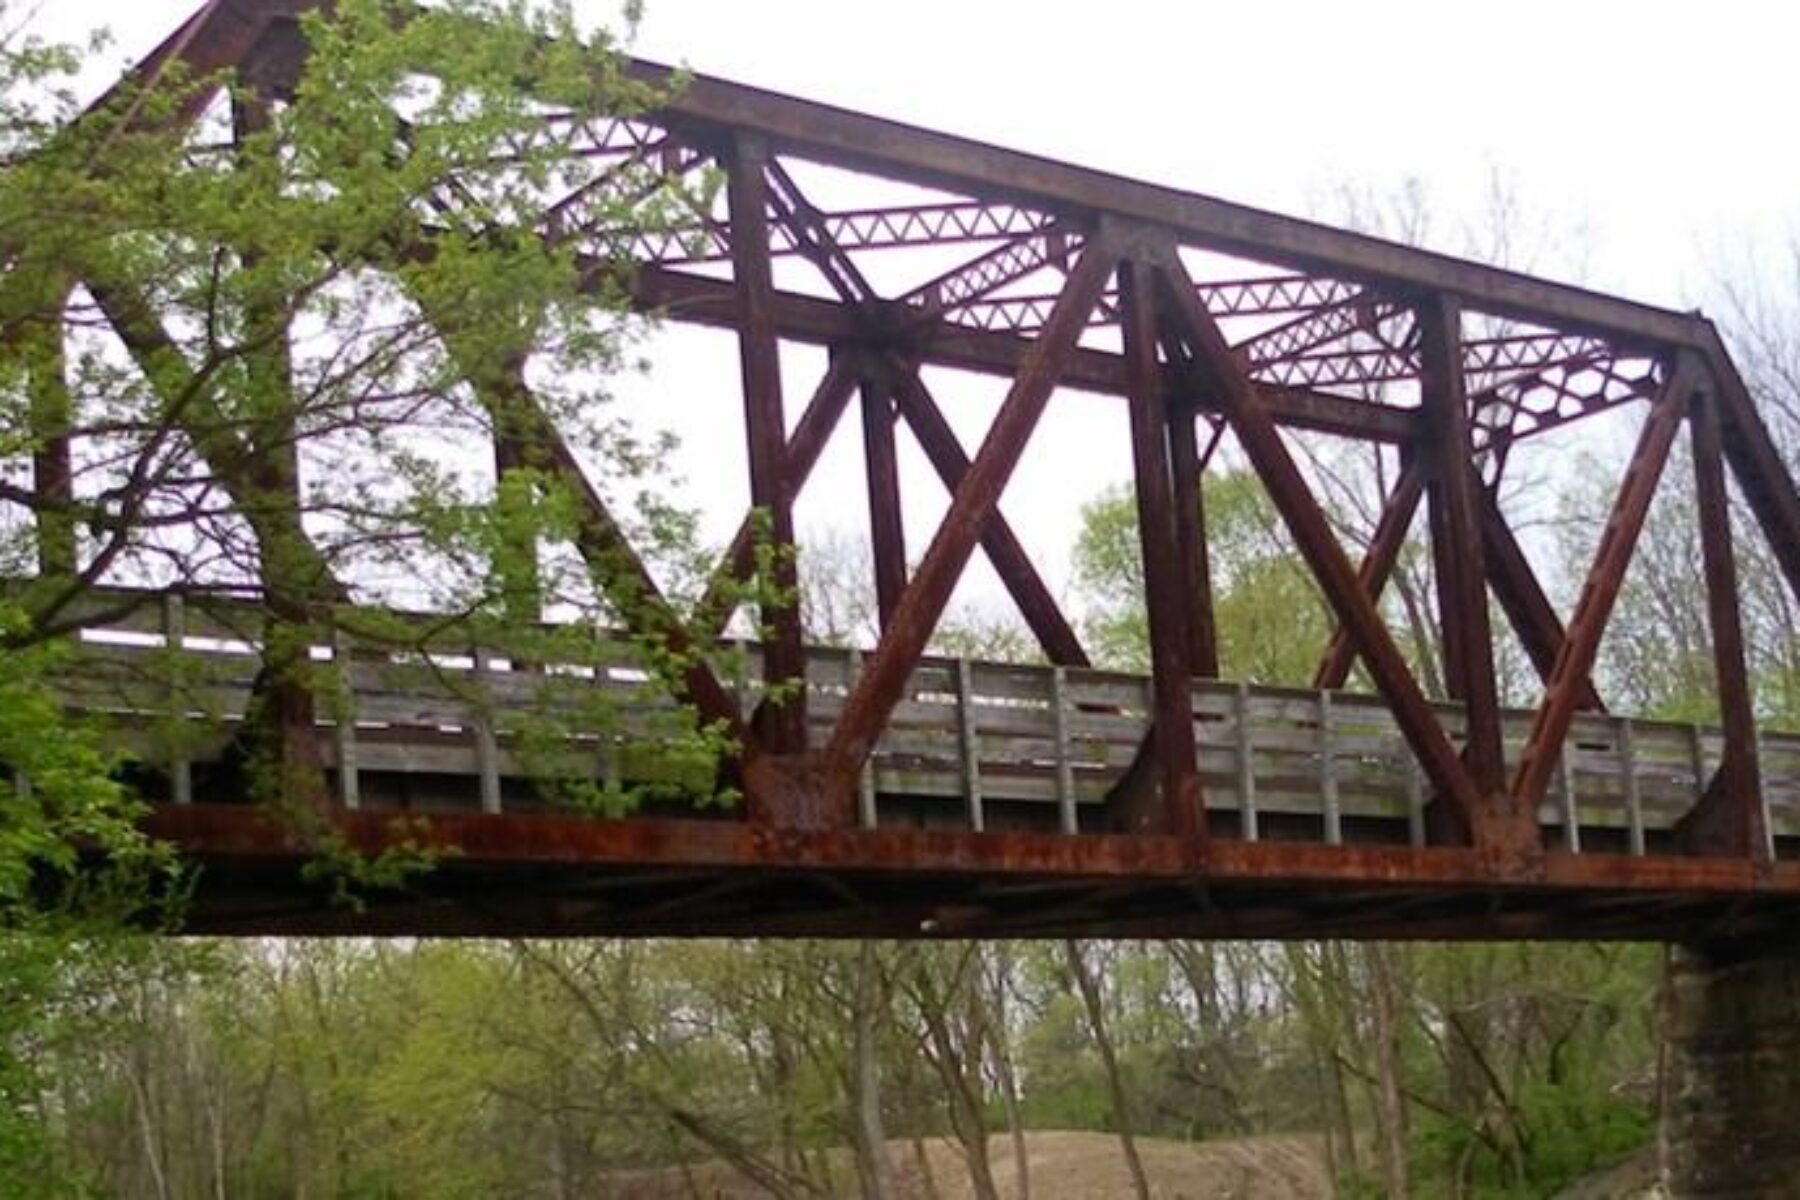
column 884, row 791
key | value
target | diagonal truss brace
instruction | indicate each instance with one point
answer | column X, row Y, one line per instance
column 921, row 604
column 1575, row 661
column 1261, row 441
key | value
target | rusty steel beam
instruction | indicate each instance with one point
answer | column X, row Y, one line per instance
column 1186, row 467
column 1528, row 610
column 1728, row 820
column 1377, row 566
column 1575, row 662
column 1037, row 604
column 220, row 36
column 573, row 874
column 1287, row 487
column 1171, row 651
column 699, row 300
column 807, row 231
column 1757, row 464
column 922, row 603
column 887, row 534
column 1446, row 449
column 841, row 138
column 780, row 721
column 854, row 140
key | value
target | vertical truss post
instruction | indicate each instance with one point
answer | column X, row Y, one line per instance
column 1171, row 652
column 1550, row 724
column 1256, row 431
column 1456, row 550
column 1190, row 532
column 972, row 508
column 780, row 722
column 1729, row 818
column 887, row 534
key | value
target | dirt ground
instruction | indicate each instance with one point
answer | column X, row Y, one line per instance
column 1062, row 1166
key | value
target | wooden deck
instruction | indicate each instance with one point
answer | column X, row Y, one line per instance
column 974, row 746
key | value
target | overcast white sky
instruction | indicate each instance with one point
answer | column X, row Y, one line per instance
column 1642, row 142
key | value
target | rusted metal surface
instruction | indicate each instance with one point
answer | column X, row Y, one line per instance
column 1176, row 309
column 780, row 722
column 517, row 875
column 1319, row 546
column 1171, row 737
column 1729, row 818
column 1461, row 579
column 887, row 534
column 973, row 503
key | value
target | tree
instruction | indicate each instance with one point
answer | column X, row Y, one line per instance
column 1272, row 622
column 246, row 322
column 279, row 306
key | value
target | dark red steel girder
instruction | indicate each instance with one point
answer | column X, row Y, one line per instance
column 1445, row 448
column 568, row 874
column 887, row 534
column 781, row 719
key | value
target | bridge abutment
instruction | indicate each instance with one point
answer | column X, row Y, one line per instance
column 1731, row 1090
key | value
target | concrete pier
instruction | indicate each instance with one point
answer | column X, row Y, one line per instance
column 1731, row 1089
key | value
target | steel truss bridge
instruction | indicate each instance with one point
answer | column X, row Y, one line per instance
column 890, row 792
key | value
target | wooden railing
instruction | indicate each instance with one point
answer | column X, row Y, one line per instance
column 971, row 744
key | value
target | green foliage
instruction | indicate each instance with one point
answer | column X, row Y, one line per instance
column 1271, row 621
column 74, row 866
column 286, row 325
